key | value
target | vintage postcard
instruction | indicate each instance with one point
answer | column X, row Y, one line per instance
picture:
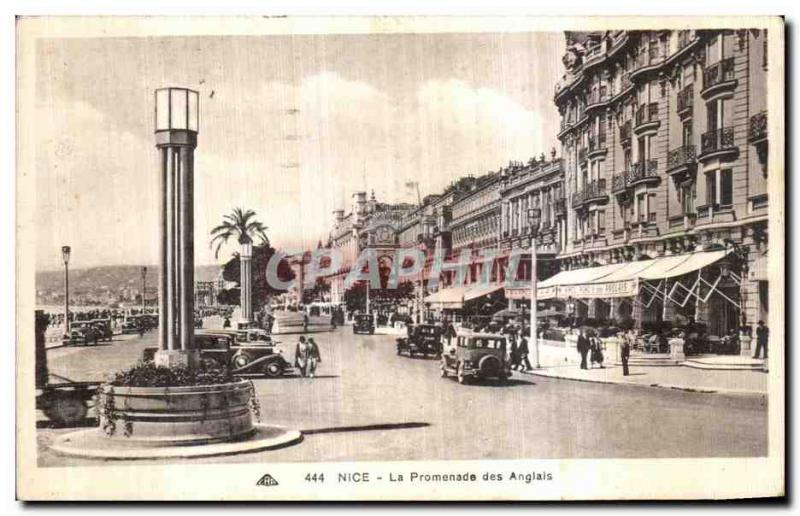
column 436, row 258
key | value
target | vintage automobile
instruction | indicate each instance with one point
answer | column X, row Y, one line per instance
column 364, row 323
column 477, row 355
column 425, row 339
column 132, row 324
column 81, row 333
column 103, row 327
column 253, row 336
column 222, row 348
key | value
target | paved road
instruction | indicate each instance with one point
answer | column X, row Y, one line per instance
column 369, row 404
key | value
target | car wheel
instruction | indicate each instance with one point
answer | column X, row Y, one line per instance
column 273, row 369
column 240, row 361
column 460, row 373
column 372, row 331
column 66, row 409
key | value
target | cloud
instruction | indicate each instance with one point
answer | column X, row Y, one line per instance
column 292, row 151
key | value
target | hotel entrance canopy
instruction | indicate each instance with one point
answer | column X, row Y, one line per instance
column 623, row 279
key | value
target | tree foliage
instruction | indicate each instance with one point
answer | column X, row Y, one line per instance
column 240, row 224
column 262, row 290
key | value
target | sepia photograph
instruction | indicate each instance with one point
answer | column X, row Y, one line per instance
column 400, row 258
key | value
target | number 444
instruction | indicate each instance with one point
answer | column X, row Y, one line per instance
column 315, row 477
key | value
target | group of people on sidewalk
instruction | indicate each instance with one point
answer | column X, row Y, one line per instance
column 590, row 346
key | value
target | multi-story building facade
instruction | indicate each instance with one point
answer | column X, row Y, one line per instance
column 538, row 184
column 369, row 225
column 663, row 137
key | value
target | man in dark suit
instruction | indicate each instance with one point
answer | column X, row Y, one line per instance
column 583, row 348
column 762, row 338
column 625, row 353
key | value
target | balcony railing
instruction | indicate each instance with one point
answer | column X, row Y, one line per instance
column 716, row 140
column 625, row 132
column 594, row 53
column 686, row 99
column 719, row 72
column 619, row 181
column 594, row 190
column 598, row 96
column 757, row 130
column 647, row 113
column 597, row 143
column 643, row 170
column 681, row 156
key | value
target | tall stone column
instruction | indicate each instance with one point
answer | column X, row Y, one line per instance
column 246, row 292
column 176, row 139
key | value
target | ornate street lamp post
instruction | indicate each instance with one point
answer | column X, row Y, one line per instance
column 177, row 117
column 534, row 216
column 65, row 252
column 245, row 293
column 144, row 287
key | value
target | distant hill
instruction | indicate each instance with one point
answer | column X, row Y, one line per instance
column 111, row 277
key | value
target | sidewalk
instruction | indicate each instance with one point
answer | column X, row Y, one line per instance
column 564, row 363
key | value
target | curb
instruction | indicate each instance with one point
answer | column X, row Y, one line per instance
column 697, row 390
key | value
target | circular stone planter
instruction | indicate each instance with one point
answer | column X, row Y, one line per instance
column 163, row 422
column 176, row 415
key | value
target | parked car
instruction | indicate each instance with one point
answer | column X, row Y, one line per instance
column 132, row 324
column 425, row 339
column 222, row 348
column 364, row 324
column 103, row 327
column 81, row 333
column 477, row 355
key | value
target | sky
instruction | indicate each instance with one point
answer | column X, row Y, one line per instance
column 290, row 126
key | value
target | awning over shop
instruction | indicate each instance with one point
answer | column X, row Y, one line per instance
column 454, row 297
column 695, row 262
column 480, row 290
column 570, row 283
column 622, row 279
column 759, row 270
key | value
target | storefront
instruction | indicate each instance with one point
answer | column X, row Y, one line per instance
column 701, row 287
column 463, row 302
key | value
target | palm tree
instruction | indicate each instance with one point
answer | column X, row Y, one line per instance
column 242, row 225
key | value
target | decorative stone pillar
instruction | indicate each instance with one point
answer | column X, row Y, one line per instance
column 176, row 139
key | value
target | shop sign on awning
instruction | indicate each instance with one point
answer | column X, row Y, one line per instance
column 623, row 279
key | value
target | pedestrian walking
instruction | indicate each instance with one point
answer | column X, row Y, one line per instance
column 305, row 323
column 597, row 351
column 513, row 350
column 333, row 320
column 583, row 348
column 227, row 322
column 523, row 352
column 625, row 352
column 306, row 357
column 762, row 339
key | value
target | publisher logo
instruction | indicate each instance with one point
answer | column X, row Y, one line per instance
column 267, row 481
